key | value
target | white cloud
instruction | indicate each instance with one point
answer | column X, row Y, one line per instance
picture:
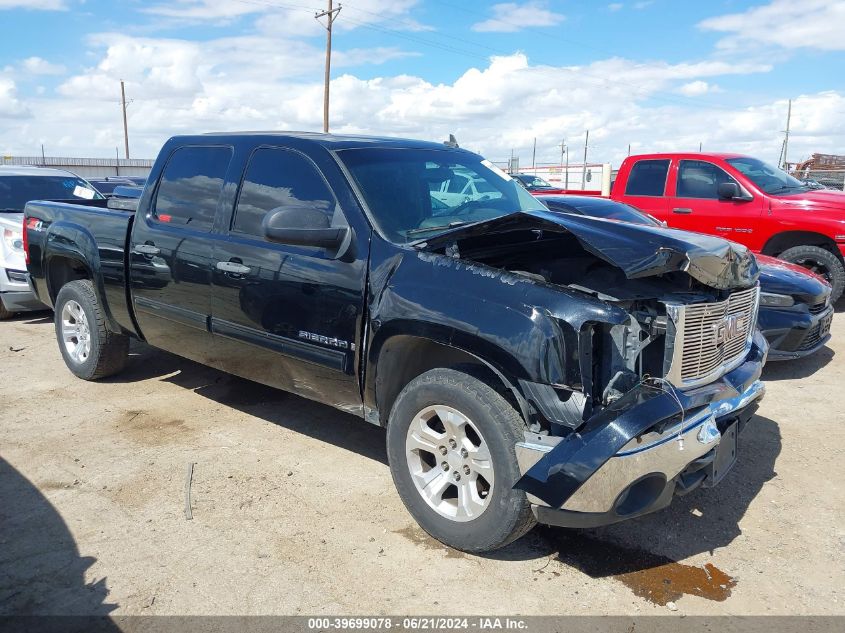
column 615, row 6
column 510, row 17
column 205, row 10
column 261, row 81
column 34, row 5
column 639, row 6
column 39, row 66
column 697, row 88
column 290, row 19
column 10, row 106
column 807, row 24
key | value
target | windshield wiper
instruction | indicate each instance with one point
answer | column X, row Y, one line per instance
column 10, row 210
column 789, row 188
column 443, row 227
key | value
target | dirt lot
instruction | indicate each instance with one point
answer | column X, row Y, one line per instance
column 294, row 510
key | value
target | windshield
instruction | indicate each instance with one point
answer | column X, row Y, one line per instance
column 415, row 194
column 16, row 191
column 768, row 178
column 534, row 181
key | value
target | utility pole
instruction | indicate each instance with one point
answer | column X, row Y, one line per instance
column 786, row 137
column 125, row 126
column 330, row 14
column 584, row 169
column 43, row 160
column 629, row 149
column 534, row 155
column 699, row 147
column 566, row 171
column 562, row 150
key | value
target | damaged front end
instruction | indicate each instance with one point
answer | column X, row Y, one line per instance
column 644, row 399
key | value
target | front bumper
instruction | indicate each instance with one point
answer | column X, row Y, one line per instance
column 796, row 331
column 16, row 291
column 618, row 467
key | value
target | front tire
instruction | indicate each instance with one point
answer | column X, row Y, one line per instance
column 822, row 262
column 451, row 447
column 90, row 350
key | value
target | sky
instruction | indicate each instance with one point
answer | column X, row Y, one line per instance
column 659, row 75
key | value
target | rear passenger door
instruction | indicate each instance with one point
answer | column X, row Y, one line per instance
column 646, row 186
column 170, row 255
column 287, row 316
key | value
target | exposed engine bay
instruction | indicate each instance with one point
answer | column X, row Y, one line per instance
column 654, row 275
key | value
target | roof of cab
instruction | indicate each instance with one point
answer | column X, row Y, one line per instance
column 688, row 155
column 26, row 170
column 329, row 141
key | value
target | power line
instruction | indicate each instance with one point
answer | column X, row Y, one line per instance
column 641, row 91
column 655, row 94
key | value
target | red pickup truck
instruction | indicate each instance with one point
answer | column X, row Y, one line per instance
column 742, row 199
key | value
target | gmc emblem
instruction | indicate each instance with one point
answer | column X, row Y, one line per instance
column 731, row 327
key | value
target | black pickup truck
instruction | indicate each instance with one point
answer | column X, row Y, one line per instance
column 527, row 365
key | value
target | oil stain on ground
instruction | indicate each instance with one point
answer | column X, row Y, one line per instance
column 151, row 427
column 655, row 578
column 418, row 536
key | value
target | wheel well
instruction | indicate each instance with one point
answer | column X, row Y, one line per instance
column 782, row 241
column 62, row 270
column 403, row 358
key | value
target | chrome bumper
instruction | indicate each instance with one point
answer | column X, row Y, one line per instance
column 662, row 455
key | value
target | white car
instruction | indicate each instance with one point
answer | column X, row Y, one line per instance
column 19, row 185
column 461, row 188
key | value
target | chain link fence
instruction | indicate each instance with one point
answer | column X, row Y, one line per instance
column 828, row 178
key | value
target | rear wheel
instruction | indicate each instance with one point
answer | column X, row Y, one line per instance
column 820, row 261
column 451, row 446
column 89, row 348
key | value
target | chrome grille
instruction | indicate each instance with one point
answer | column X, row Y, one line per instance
column 711, row 338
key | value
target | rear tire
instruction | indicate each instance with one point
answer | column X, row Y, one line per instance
column 90, row 350
column 820, row 261
column 4, row 313
column 448, row 418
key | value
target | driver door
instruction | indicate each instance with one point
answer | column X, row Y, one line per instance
column 696, row 205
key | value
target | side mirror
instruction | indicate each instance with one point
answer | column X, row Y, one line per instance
column 728, row 191
column 303, row 225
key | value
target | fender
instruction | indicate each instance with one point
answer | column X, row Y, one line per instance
column 74, row 242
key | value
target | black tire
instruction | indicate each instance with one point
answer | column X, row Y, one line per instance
column 822, row 262
column 507, row 514
column 4, row 313
column 108, row 351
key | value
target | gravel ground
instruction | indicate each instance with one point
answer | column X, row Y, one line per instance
column 294, row 510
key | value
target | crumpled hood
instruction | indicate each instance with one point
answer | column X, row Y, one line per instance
column 639, row 250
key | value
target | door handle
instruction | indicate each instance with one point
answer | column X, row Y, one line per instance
column 682, row 210
column 147, row 249
column 233, row 267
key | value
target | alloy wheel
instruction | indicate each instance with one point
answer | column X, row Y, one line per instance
column 450, row 463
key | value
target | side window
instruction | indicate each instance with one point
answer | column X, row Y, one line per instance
column 277, row 178
column 700, row 179
column 190, row 186
column 647, row 178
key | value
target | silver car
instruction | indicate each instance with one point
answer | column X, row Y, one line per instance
column 19, row 185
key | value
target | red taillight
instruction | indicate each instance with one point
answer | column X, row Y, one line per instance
column 28, row 223
column 25, row 242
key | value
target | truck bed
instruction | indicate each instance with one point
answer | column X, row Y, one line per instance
column 92, row 234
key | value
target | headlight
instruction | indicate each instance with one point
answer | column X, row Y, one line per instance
column 771, row 299
column 13, row 239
